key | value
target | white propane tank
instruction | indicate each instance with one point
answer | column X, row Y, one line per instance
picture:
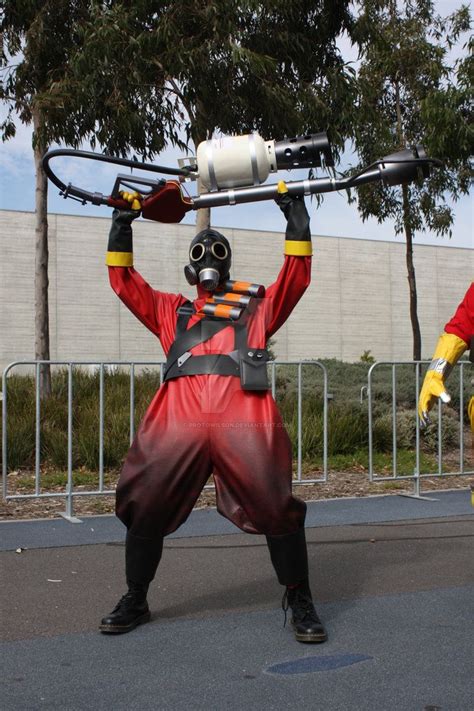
column 235, row 161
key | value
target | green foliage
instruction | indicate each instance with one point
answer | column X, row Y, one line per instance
column 410, row 94
column 406, row 431
column 145, row 71
column 131, row 76
column 366, row 357
column 21, row 432
column 270, row 346
column 38, row 38
column 85, row 422
column 406, row 463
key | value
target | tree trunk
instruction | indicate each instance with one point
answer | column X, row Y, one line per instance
column 41, row 261
column 203, row 215
column 415, row 325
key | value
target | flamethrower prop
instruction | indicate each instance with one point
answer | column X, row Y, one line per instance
column 233, row 170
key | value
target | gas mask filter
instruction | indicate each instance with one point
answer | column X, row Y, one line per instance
column 210, row 258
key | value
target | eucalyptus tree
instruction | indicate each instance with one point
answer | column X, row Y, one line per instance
column 410, row 93
column 229, row 66
column 37, row 39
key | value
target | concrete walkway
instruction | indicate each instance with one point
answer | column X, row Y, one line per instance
column 393, row 579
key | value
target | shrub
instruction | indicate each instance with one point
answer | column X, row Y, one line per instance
column 406, row 431
column 382, row 433
column 347, row 427
column 450, row 431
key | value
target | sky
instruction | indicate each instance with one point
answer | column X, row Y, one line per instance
column 334, row 217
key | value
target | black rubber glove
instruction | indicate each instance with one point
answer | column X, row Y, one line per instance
column 294, row 209
column 120, row 248
column 120, row 235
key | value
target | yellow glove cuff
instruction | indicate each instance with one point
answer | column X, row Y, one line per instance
column 119, row 259
column 298, row 248
column 449, row 347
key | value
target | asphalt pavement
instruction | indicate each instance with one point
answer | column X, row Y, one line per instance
column 393, row 580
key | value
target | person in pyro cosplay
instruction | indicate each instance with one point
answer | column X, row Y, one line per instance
column 458, row 336
column 213, row 414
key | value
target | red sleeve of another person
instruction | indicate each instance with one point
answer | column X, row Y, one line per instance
column 462, row 323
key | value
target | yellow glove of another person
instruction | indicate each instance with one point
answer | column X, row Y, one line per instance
column 448, row 351
column 470, row 412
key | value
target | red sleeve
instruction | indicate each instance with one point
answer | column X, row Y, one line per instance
column 282, row 296
column 155, row 309
column 462, row 323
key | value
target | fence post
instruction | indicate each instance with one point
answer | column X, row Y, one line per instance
column 132, row 402
column 3, row 401
column 101, row 427
column 69, row 513
column 417, row 481
column 299, row 424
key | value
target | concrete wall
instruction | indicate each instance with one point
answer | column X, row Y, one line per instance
column 358, row 299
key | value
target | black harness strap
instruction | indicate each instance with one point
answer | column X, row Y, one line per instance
column 240, row 336
column 249, row 365
column 184, row 314
column 180, row 362
column 204, row 365
column 199, row 333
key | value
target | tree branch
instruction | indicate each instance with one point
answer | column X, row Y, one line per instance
column 180, row 96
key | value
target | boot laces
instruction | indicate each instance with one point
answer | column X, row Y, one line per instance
column 302, row 607
column 130, row 599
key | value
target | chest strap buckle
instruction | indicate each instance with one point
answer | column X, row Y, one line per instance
column 182, row 359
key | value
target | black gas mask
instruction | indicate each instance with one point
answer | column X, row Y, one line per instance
column 210, row 258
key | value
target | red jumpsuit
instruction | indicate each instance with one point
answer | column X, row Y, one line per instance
column 462, row 323
column 200, row 425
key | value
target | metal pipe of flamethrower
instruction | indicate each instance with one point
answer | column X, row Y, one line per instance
column 257, row 193
column 263, row 192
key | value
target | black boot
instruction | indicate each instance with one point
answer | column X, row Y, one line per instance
column 131, row 610
column 305, row 621
column 142, row 556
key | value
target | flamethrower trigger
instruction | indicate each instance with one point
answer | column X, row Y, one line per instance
column 234, row 169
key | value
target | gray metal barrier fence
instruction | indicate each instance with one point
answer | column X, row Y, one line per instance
column 69, row 492
column 417, row 476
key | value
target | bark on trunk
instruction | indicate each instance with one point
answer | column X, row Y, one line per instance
column 203, row 215
column 415, row 324
column 41, row 263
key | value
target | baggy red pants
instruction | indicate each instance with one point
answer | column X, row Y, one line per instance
column 178, row 447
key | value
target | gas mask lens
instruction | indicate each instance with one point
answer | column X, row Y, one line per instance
column 197, row 252
column 219, row 250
